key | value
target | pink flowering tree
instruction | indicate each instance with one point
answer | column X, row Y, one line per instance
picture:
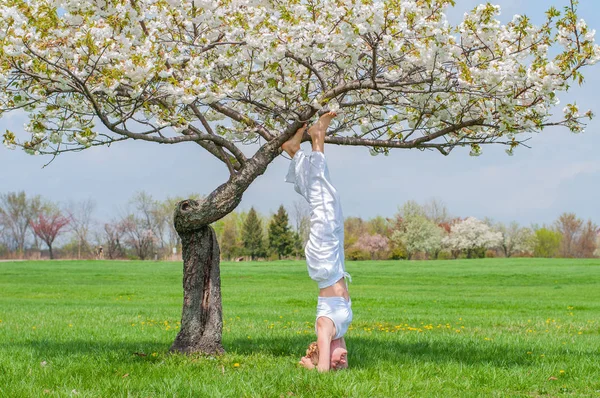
column 48, row 226
column 372, row 244
column 225, row 74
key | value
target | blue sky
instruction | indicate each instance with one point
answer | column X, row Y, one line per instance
column 560, row 173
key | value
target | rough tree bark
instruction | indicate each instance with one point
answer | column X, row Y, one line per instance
column 201, row 319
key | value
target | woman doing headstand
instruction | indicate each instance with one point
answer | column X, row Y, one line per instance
column 325, row 247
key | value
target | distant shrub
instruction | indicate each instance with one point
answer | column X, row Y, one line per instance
column 475, row 253
column 356, row 254
column 547, row 243
column 398, row 253
column 490, row 254
column 445, row 255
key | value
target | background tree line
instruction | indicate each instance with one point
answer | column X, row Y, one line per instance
column 34, row 227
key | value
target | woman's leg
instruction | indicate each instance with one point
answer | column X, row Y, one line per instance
column 324, row 249
column 298, row 169
column 322, row 196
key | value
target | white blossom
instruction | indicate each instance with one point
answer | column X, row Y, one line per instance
column 471, row 234
column 152, row 61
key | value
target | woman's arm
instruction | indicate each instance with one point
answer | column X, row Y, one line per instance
column 325, row 332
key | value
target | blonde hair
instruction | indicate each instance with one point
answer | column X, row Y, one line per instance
column 313, row 353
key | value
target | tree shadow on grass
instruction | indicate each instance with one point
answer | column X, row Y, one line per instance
column 373, row 352
column 363, row 352
column 124, row 351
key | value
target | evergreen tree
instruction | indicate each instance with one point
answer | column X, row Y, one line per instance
column 298, row 245
column 252, row 235
column 281, row 239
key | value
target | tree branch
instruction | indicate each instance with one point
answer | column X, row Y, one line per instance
column 417, row 142
column 235, row 115
column 223, row 156
column 309, row 67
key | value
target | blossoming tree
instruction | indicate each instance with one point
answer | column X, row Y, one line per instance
column 372, row 244
column 470, row 235
column 48, row 226
column 418, row 234
column 227, row 73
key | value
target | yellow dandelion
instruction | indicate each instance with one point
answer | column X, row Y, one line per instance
column 562, row 372
column 236, row 365
column 154, row 354
column 70, row 325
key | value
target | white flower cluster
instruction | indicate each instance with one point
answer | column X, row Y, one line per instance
column 394, row 69
column 471, row 234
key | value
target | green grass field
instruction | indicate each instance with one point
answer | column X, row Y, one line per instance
column 474, row 328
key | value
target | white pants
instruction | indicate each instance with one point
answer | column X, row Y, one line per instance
column 325, row 247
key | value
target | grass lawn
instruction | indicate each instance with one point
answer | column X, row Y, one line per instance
column 471, row 328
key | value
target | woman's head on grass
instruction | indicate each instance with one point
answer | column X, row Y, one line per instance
column 338, row 359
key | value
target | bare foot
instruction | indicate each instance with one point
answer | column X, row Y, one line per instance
column 292, row 145
column 306, row 362
column 339, row 358
column 317, row 131
column 320, row 127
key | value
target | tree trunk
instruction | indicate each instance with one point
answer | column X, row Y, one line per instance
column 50, row 250
column 201, row 318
